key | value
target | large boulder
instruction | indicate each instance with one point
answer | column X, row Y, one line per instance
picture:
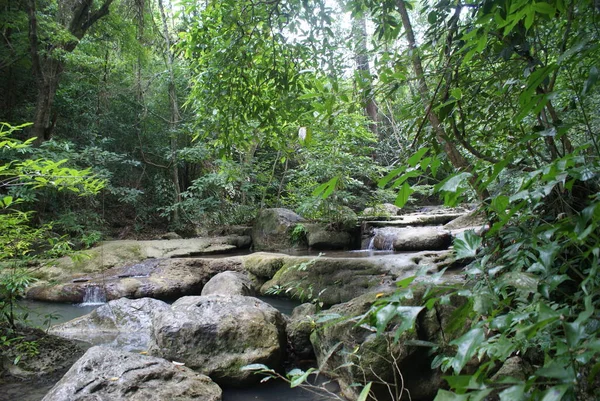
column 122, row 323
column 352, row 352
column 412, row 238
column 106, row 374
column 331, row 281
column 153, row 278
column 264, row 265
column 320, row 236
column 229, row 283
column 272, row 230
column 218, row 335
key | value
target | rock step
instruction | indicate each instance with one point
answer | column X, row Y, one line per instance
column 412, row 220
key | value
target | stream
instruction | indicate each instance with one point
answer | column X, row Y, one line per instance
column 39, row 312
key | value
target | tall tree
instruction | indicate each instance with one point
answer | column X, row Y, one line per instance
column 363, row 71
column 74, row 18
column 175, row 117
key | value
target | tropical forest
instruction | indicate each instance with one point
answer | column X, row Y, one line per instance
column 300, row 200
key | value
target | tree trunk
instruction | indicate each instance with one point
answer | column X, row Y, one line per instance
column 455, row 157
column 175, row 112
column 47, row 67
column 359, row 34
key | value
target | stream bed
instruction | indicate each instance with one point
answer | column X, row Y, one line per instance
column 40, row 312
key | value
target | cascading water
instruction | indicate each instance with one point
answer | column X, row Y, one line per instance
column 94, row 295
column 383, row 240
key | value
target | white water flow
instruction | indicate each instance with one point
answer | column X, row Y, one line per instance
column 94, row 295
column 383, row 239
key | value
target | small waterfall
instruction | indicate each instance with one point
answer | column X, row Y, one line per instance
column 94, row 295
column 371, row 246
column 383, row 239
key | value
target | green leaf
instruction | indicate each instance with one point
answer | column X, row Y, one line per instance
column 255, row 367
column 403, row 195
column 592, row 79
column 556, row 371
column 326, row 189
column 467, row 347
column 466, row 244
column 390, row 176
column 414, row 159
column 7, row 201
column 365, row 392
column 444, row 395
column 574, row 332
column 555, row 393
column 455, row 182
column 543, row 7
column 300, row 378
column 513, row 393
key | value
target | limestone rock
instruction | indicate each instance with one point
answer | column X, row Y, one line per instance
column 384, row 209
column 229, row 283
column 321, row 237
column 122, row 323
column 272, row 229
column 218, row 335
column 116, row 254
column 332, row 281
column 412, row 238
column 154, row 278
column 299, row 328
column 264, row 265
column 353, row 353
column 106, row 374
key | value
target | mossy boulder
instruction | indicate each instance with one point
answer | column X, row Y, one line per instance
column 153, row 278
column 218, row 335
column 272, row 230
column 353, row 352
column 331, row 281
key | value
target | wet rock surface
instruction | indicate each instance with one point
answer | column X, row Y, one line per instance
column 272, row 229
column 106, row 374
column 123, row 323
column 218, row 335
column 229, row 283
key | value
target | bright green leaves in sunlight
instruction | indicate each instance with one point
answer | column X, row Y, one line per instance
column 466, row 244
column 417, row 166
column 327, row 188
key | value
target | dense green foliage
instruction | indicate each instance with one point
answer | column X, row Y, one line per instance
column 207, row 112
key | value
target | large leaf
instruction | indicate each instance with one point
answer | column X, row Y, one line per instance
column 326, row 189
column 467, row 347
column 466, row 244
column 403, row 195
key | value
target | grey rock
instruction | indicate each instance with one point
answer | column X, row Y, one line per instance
column 154, row 278
column 384, row 209
column 299, row 328
column 352, row 352
column 272, row 229
column 218, row 335
column 106, row 374
column 229, row 283
column 412, row 238
column 321, row 237
column 122, row 323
